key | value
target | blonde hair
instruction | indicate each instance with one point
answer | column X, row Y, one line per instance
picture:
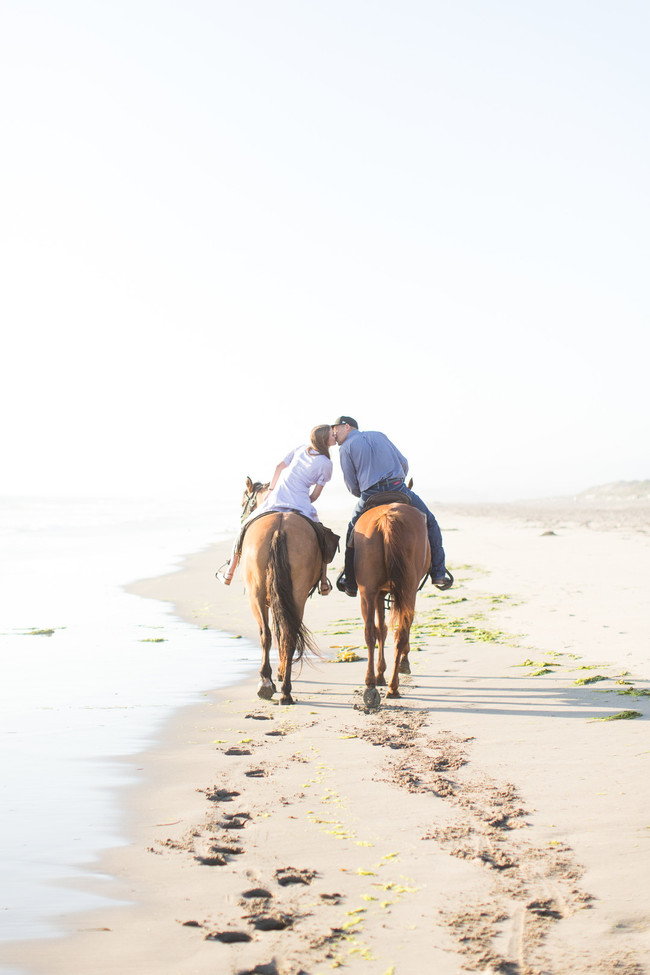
column 319, row 437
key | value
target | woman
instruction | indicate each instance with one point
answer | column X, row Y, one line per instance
column 297, row 482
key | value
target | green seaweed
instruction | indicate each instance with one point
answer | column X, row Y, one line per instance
column 533, row 663
column 153, row 639
column 543, row 670
column 635, row 691
column 434, row 625
column 620, row 716
column 590, row 680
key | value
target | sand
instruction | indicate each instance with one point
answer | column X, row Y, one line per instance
column 493, row 819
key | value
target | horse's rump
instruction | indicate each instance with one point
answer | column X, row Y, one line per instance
column 391, row 551
column 281, row 562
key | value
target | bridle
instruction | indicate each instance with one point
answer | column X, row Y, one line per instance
column 249, row 503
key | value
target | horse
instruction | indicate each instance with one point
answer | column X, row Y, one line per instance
column 281, row 564
column 391, row 557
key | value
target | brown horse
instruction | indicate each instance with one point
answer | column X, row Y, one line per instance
column 281, row 564
column 391, row 556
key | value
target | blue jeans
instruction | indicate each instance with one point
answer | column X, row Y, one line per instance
column 433, row 530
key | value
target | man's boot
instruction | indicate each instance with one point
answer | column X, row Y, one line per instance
column 346, row 581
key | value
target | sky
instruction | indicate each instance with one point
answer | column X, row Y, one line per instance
column 222, row 223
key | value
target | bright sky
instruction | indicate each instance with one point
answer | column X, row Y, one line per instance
column 225, row 222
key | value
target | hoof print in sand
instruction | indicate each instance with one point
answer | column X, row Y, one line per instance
column 237, row 821
column 238, row 751
column 227, row 851
column 255, row 773
column 228, row 937
column 215, row 860
column 545, row 909
column 290, row 875
column 276, row 922
column 219, row 795
column 257, row 892
column 331, row 898
column 260, row 717
column 270, row 969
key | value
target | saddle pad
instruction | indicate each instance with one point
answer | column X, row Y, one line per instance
column 327, row 539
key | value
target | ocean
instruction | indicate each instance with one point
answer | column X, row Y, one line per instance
column 90, row 674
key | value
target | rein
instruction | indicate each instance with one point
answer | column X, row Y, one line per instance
column 249, row 503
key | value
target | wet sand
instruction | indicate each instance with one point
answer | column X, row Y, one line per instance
column 494, row 818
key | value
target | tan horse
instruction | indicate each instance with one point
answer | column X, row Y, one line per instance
column 392, row 556
column 280, row 563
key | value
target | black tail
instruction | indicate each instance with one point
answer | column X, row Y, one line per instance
column 289, row 630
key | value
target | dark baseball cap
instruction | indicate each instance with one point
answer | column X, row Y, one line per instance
column 345, row 419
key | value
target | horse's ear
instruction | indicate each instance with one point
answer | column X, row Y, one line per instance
column 410, row 483
column 249, row 484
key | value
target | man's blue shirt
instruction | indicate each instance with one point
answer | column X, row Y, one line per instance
column 368, row 457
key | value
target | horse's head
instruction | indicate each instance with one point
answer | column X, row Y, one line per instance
column 255, row 493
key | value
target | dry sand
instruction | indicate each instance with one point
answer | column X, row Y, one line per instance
column 489, row 821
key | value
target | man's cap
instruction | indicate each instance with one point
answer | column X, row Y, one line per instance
column 345, row 419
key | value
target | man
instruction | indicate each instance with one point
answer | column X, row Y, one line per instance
column 370, row 464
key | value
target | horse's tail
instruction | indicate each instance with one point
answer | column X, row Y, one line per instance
column 396, row 553
column 288, row 628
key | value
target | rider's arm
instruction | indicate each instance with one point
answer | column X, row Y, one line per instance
column 316, row 493
column 278, row 470
column 349, row 474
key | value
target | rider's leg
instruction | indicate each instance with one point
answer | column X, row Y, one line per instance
column 435, row 538
column 346, row 581
column 226, row 575
column 324, row 586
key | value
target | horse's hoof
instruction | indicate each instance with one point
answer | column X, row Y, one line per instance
column 404, row 666
column 287, row 700
column 393, row 694
column 371, row 697
column 266, row 690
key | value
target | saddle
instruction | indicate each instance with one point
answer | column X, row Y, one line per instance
column 382, row 497
column 327, row 539
column 386, row 497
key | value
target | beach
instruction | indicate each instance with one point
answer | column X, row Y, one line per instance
column 494, row 818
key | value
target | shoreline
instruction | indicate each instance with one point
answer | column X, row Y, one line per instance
column 489, row 807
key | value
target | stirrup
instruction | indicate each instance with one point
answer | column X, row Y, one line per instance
column 324, row 589
column 220, row 574
column 344, row 586
column 447, row 584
